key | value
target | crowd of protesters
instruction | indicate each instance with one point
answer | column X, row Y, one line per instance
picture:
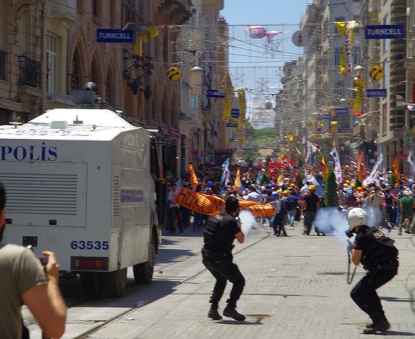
column 297, row 194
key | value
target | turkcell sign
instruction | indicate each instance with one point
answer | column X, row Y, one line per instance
column 235, row 113
column 214, row 93
column 342, row 110
column 376, row 93
column 115, row 35
column 384, row 31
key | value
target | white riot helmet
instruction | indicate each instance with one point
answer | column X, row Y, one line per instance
column 357, row 217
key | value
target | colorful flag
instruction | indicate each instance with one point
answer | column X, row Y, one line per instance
column 395, row 167
column 337, row 166
column 361, row 167
column 238, row 180
column 371, row 178
column 412, row 162
column 226, row 172
column 325, row 170
column 193, row 177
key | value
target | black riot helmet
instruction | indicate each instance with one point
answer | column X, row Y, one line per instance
column 232, row 204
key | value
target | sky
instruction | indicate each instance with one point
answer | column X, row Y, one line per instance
column 255, row 63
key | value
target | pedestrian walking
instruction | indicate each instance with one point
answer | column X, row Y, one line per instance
column 407, row 206
column 174, row 210
column 380, row 259
column 310, row 205
column 220, row 232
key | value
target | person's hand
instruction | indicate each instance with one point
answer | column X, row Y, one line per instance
column 52, row 266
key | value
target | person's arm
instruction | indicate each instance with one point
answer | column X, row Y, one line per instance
column 356, row 256
column 240, row 236
column 46, row 303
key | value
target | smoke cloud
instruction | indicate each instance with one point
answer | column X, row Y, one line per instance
column 247, row 221
column 333, row 220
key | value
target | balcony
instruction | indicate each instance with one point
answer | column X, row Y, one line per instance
column 30, row 72
column 64, row 10
column 2, row 65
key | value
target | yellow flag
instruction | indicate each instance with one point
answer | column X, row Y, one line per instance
column 343, row 69
column 341, row 27
column 238, row 180
column 325, row 170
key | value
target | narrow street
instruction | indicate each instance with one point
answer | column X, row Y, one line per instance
column 295, row 288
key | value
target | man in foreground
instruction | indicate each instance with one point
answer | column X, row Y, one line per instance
column 25, row 281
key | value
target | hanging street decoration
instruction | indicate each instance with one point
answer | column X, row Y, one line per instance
column 173, row 73
column 259, row 32
column 345, row 29
column 376, row 72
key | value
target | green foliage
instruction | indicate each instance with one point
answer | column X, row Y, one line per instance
column 264, row 179
column 392, row 179
column 264, row 132
column 331, row 198
column 249, row 157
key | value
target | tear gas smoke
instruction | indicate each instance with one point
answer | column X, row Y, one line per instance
column 333, row 220
column 247, row 221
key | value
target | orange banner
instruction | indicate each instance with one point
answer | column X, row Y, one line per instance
column 210, row 205
column 197, row 202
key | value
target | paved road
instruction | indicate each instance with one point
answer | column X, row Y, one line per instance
column 295, row 288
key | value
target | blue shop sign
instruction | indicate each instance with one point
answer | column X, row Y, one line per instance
column 342, row 110
column 384, row 31
column 115, row 35
column 214, row 93
column 235, row 113
column 228, row 124
column 376, row 93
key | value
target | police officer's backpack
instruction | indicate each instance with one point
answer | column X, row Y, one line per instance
column 383, row 252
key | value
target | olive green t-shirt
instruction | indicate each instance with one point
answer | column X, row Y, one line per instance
column 20, row 271
column 407, row 205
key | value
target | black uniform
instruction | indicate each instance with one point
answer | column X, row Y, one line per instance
column 218, row 236
column 379, row 259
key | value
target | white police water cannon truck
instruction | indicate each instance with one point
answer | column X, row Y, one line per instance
column 85, row 184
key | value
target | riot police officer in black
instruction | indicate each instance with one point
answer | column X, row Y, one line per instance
column 380, row 259
column 220, row 231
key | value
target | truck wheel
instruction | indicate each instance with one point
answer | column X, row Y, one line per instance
column 143, row 273
column 91, row 284
column 114, row 283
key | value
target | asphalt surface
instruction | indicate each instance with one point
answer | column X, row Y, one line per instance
column 296, row 287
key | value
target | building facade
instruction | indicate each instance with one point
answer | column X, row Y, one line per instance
column 48, row 49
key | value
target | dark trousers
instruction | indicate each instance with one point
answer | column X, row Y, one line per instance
column 308, row 221
column 223, row 269
column 175, row 211
column 278, row 225
column 364, row 293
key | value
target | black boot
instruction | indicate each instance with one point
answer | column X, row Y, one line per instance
column 232, row 313
column 213, row 311
column 384, row 318
column 379, row 324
